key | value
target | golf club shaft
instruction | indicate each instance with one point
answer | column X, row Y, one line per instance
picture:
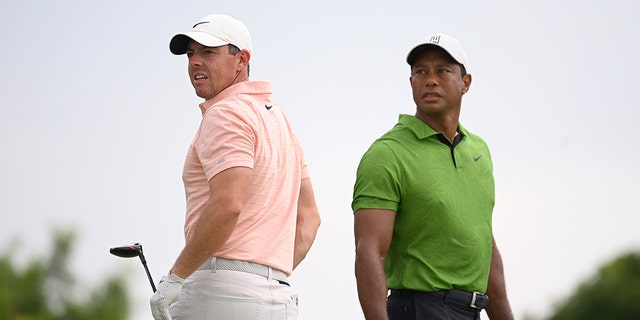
column 146, row 269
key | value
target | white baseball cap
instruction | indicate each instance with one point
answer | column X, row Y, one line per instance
column 214, row 30
column 447, row 43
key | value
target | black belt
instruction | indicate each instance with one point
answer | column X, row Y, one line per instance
column 475, row 300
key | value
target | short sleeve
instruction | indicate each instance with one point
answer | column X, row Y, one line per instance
column 378, row 177
column 225, row 140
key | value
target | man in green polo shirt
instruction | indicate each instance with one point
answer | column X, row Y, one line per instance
column 423, row 201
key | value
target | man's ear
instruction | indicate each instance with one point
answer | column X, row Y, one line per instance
column 245, row 56
column 467, row 83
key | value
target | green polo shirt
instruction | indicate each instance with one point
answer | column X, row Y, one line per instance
column 443, row 196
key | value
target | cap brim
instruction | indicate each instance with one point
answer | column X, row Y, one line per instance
column 178, row 44
column 415, row 52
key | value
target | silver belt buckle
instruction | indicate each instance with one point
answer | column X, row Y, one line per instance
column 473, row 300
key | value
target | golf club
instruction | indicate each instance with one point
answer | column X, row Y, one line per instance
column 130, row 251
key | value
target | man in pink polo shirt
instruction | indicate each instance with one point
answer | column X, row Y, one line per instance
column 251, row 212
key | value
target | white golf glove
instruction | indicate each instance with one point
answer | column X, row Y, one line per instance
column 168, row 291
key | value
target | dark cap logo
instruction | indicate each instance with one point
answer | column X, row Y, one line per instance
column 199, row 23
column 435, row 39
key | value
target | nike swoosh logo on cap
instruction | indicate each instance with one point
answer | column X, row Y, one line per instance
column 199, row 23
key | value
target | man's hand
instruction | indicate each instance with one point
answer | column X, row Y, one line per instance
column 168, row 291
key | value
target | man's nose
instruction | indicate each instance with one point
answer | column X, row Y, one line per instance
column 430, row 79
column 195, row 60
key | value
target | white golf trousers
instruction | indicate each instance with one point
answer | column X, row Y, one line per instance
column 234, row 295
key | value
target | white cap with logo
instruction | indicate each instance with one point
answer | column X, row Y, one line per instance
column 213, row 30
column 447, row 43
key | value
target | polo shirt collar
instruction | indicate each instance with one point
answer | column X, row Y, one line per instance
column 421, row 129
column 244, row 87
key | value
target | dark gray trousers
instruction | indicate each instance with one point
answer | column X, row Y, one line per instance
column 417, row 305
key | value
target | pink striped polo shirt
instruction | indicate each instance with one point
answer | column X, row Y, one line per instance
column 242, row 127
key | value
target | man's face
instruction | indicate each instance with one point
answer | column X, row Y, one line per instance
column 437, row 84
column 211, row 69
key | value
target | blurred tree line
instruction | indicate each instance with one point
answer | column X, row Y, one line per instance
column 46, row 289
column 613, row 293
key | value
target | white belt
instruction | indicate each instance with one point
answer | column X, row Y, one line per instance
column 217, row 263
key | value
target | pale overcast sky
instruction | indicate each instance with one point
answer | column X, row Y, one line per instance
column 97, row 115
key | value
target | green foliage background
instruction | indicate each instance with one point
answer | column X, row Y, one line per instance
column 45, row 289
column 612, row 293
